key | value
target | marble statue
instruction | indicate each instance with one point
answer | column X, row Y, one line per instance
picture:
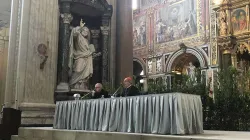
column 81, row 57
column 150, row 70
column 191, row 71
column 223, row 22
column 158, row 65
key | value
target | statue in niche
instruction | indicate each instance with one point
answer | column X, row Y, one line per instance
column 150, row 66
column 223, row 23
column 81, row 57
column 191, row 71
column 158, row 65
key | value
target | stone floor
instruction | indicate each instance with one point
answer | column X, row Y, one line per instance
column 52, row 134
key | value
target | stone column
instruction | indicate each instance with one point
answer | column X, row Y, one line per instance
column 124, row 49
column 226, row 59
column 234, row 59
column 112, row 43
column 10, row 87
column 63, row 51
column 105, row 54
column 97, row 78
column 29, row 88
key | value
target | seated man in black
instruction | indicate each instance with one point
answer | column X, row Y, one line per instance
column 99, row 92
column 129, row 89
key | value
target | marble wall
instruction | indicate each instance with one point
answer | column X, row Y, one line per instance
column 5, row 9
column 34, row 23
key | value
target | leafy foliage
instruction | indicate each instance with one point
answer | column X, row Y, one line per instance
column 230, row 107
column 230, row 110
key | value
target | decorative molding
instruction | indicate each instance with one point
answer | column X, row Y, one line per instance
column 105, row 30
column 213, row 39
column 67, row 18
column 95, row 33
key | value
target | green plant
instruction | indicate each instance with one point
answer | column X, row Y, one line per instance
column 232, row 101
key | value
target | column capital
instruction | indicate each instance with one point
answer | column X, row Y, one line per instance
column 105, row 30
column 65, row 6
column 66, row 17
column 95, row 33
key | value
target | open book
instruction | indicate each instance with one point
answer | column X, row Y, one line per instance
column 92, row 48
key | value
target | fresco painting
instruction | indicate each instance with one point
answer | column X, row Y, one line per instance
column 139, row 31
column 239, row 20
column 149, row 3
column 176, row 21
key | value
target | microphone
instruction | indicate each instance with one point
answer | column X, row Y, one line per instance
column 114, row 95
column 88, row 94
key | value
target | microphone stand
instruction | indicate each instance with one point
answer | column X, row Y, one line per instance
column 114, row 95
column 86, row 95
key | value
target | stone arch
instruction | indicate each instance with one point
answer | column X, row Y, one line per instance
column 142, row 64
column 193, row 51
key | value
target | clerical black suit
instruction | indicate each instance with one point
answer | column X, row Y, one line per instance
column 99, row 94
column 130, row 91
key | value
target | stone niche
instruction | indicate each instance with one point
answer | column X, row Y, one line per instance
column 96, row 16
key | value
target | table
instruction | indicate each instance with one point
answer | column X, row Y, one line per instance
column 170, row 113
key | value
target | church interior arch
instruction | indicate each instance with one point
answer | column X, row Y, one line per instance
column 179, row 66
column 138, row 72
column 190, row 55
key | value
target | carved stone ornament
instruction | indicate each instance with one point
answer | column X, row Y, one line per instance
column 95, row 33
column 223, row 22
column 150, row 66
column 42, row 51
column 67, row 18
column 105, row 30
column 158, row 65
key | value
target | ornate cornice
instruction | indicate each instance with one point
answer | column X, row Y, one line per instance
column 102, row 5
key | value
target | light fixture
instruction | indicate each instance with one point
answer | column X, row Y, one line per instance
column 142, row 81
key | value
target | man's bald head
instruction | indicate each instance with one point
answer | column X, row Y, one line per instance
column 98, row 87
